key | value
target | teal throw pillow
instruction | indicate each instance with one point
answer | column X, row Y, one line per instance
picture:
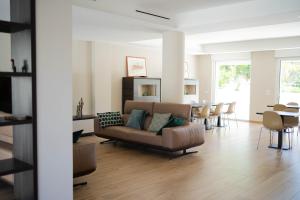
column 110, row 119
column 136, row 119
column 159, row 121
column 173, row 122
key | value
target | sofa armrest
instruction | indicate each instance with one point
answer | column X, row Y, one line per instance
column 97, row 128
column 182, row 137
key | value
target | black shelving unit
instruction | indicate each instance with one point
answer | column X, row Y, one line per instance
column 12, row 27
column 15, row 74
column 14, row 122
column 13, row 166
column 23, row 165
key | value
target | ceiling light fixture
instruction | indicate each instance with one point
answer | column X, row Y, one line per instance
column 154, row 15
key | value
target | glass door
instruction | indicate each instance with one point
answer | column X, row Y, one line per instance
column 232, row 84
column 289, row 81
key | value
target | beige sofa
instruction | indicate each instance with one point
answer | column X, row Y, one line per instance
column 172, row 139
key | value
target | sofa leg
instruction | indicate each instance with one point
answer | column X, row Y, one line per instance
column 107, row 141
column 184, row 152
column 79, row 184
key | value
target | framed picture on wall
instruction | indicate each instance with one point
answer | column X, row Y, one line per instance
column 136, row 66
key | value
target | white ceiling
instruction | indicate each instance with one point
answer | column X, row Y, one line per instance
column 203, row 21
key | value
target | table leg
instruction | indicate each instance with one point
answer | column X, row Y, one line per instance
column 219, row 122
column 207, row 124
column 280, row 142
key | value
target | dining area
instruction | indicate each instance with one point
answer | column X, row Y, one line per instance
column 282, row 120
column 214, row 114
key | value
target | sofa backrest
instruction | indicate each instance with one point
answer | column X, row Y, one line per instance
column 147, row 106
column 177, row 110
column 130, row 105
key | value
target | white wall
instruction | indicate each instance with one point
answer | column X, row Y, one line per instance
column 263, row 82
column 108, row 66
column 82, row 73
column 205, row 75
column 5, row 55
column 54, row 99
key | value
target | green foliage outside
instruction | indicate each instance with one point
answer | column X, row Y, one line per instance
column 233, row 74
column 290, row 76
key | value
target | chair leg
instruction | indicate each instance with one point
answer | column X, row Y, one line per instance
column 270, row 137
column 236, row 120
column 289, row 138
column 259, row 137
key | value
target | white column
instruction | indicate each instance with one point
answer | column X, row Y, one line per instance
column 173, row 67
column 54, row 99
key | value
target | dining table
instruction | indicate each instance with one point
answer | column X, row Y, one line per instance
column 288, row 106
column 280, row 133
column 201, row 105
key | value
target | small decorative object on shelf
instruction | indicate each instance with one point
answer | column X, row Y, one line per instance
column 25, row 67
column 14, row 68
column 79, row 108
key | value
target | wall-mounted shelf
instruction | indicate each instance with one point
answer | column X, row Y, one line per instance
column 14, row 122
column 12, row 27
column 15, row 74
column 12, row 166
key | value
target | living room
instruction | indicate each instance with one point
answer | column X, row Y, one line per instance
column 187, row 87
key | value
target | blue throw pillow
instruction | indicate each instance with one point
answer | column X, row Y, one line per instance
column 136, row 119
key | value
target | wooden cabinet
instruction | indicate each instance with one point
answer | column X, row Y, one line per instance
column 141, row 89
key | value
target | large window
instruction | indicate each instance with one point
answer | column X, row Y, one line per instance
column 233, row 84
column 289, row 81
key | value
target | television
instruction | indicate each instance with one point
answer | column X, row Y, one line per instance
column 5, row 95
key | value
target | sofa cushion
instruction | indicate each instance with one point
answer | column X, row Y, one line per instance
column 136, row 119
column 173, row 122
column 159, row 121
column 177, row 110
column 147, row 122
column 131, row 134
column 131, row 105
column 110, row 119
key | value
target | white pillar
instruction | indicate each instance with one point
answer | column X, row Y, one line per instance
column 173, row 67
column 54, row 99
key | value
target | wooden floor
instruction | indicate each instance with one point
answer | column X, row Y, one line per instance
column 228, row 166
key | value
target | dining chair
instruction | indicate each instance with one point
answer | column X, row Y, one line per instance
column 217, row 112
column 272, row 122
column 203, row 114
column 279, row 107
column 291, row 122
column 292, row 104
column 230, row 111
